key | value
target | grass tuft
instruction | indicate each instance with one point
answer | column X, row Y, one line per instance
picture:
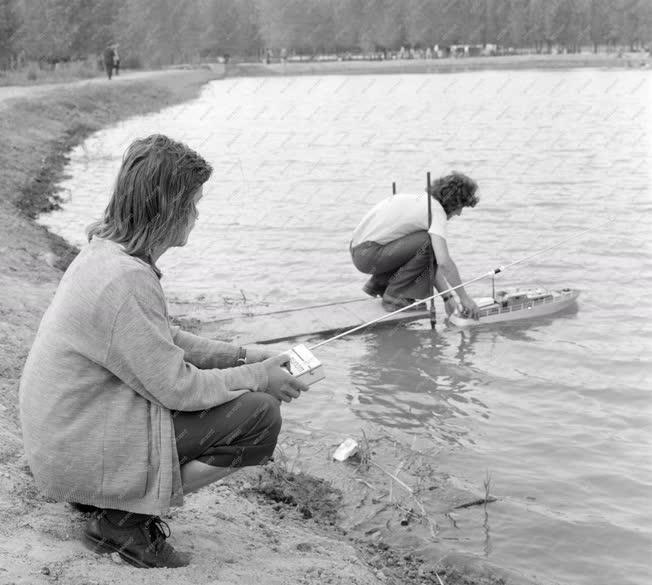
column 314, row 498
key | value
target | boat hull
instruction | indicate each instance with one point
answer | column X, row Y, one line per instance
column 529, row 309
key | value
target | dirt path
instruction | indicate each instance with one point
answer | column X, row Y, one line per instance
column 11, row 92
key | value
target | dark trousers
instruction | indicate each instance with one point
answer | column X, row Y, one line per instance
column 400, row 265
column 239, row 433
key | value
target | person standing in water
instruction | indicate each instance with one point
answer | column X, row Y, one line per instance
column 394, row 244
column 123, row 413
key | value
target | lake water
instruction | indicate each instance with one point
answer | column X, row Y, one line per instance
column 558, row 410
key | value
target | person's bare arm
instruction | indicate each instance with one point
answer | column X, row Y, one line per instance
column 450, row 272
column 449, row 298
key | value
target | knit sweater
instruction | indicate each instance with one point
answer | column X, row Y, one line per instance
column 104, row 372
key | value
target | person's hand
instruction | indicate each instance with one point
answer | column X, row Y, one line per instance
column 450, row 305
column 469, row 308
column 282, row 385
column 256, row 354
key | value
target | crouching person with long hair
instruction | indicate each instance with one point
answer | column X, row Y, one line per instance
column 123, row 413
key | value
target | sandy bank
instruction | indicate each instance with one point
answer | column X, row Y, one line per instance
column 274, row 527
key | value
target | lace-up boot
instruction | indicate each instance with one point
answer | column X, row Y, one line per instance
column 140, row 540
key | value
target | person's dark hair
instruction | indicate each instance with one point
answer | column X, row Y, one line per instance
column 153, row 195
column 455, row 191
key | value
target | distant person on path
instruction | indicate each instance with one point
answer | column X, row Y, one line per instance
column 116, row 59
column 123, row 413
column 109, row 60
column 393, row 243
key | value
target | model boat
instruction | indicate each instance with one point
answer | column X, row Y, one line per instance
column 514, row 304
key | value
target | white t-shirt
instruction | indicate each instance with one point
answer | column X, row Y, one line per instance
column 397, row 216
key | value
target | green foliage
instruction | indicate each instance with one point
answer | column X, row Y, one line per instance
column 159, row 32
column 8, row 27
column 231, row 26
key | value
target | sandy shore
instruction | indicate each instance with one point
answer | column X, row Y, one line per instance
column 258, row 527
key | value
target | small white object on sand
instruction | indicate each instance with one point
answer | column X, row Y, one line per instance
column 345, row 450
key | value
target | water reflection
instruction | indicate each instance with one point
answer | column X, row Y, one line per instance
column 412, row 379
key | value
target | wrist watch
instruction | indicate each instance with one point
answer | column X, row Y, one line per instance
column 241, row 358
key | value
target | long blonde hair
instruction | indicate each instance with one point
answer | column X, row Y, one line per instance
column 153, row 196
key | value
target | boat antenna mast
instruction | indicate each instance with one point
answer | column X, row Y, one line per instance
column 431, row 257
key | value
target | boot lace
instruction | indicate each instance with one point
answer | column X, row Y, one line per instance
column 159, row 530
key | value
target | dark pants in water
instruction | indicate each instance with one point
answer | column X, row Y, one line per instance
column 401, row 265
column 236, row 434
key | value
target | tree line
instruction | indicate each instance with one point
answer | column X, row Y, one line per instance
column 158, row 32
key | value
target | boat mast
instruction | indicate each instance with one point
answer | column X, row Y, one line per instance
column 431, row 257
